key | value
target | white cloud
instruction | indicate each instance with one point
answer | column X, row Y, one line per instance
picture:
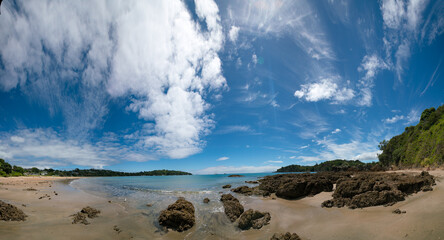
column 153, row 53
column 303, row 147
column 337, row 130
column 394, row 119
column 401, row 22
column 413, row 117
column 17, row 139
column 371, row 65
column 222, row 158
column 236, row 169
column 326, row 89
column 274, row 161
column 254, row 59
column 234, row 129
column 234, row 33
column 46, row 148
column 365, row 156
column 292, row 157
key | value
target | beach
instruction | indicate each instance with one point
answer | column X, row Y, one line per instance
column 49, row 215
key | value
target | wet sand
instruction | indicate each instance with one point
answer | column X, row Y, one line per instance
column 50, row 219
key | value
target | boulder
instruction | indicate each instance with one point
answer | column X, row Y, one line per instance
column 10, row 212
column 206, row 200
column 285, row 236
column 253, row 219
column 232, row 206
column 296, row 189
column 179, row 216
column 226, row 186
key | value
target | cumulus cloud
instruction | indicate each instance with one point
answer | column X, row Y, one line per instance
column 222, row 158
column 337, row 130
column 326, row 89
column 394, row 119
column 154, row 53
column 233, row 33
column 366, row 156
column 236, row 169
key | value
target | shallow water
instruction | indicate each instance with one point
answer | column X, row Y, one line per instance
column 160, row 191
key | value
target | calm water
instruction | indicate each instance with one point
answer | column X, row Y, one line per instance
column 158, row 189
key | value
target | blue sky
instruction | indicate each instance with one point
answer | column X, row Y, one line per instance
column 213, row 87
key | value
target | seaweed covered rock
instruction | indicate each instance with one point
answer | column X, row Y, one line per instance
column 292, row 186
column 373, row 189
column 86, row 212
column 253, row 219
column 245, row 190
column 232, row 206
column 285, row 236
column 179, row 216
column 10, row 212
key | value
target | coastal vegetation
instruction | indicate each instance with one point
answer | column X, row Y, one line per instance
column 418, row 146
column 6, row 170
column 333, row 165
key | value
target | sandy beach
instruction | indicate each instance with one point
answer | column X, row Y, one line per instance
column 49, row 216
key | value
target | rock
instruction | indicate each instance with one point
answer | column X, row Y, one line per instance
column 252, row 182
column 149, row 205
column 206, row 200
column 86, row 212
column 245, row 190
column 286, row 236
column 373, row 189
column 236, row 175
column 179, row 216
column 232, row 206
column 30, row 189
column 253, row 219
column 10, row 212
column 296, row 189
column 226, row 186
column 117, row 229
column 398, row 211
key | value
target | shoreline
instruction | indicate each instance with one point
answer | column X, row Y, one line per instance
column 50, row 219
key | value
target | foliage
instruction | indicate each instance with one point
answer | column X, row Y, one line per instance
column 333, row 165
column 418, row 146
column 6, row 170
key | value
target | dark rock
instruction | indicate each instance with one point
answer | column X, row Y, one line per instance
column 149, row 205
column 373, row 189
column 206, row 200
column 253, row 219
column 30, row 189
column 10, row 212
column 286, row 236
column 245, row 190
column 117, row 229
column 86, row 212
column 398, row 211
column 178, row 216
column 252, row 182
column 226, row 186
column 236, row 175
column 232, row 206
column 296, row 189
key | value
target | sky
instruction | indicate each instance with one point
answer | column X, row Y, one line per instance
column 213, row 86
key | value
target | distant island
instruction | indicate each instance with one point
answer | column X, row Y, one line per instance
column 418, row 146
column 333, row 165
column 6, row 170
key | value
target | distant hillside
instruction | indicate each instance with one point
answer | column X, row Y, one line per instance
column 333, row 165
column 418, row 146
column 6, row 170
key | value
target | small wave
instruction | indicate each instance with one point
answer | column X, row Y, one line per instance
column 165, row 191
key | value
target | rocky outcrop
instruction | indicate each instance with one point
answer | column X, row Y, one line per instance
column 285, row 236
column 245, row 190
column 179, row 216
column 226, row 186
column 10, row 212
column 253, row 219
column 373, row 189
column 252, row 182
column 232, row 206
column 293, row 186
column 236, row 175
column 86, row 212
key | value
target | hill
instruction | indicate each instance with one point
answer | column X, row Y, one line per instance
column 333, row 165
column 418, row 146
column 7, row 170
